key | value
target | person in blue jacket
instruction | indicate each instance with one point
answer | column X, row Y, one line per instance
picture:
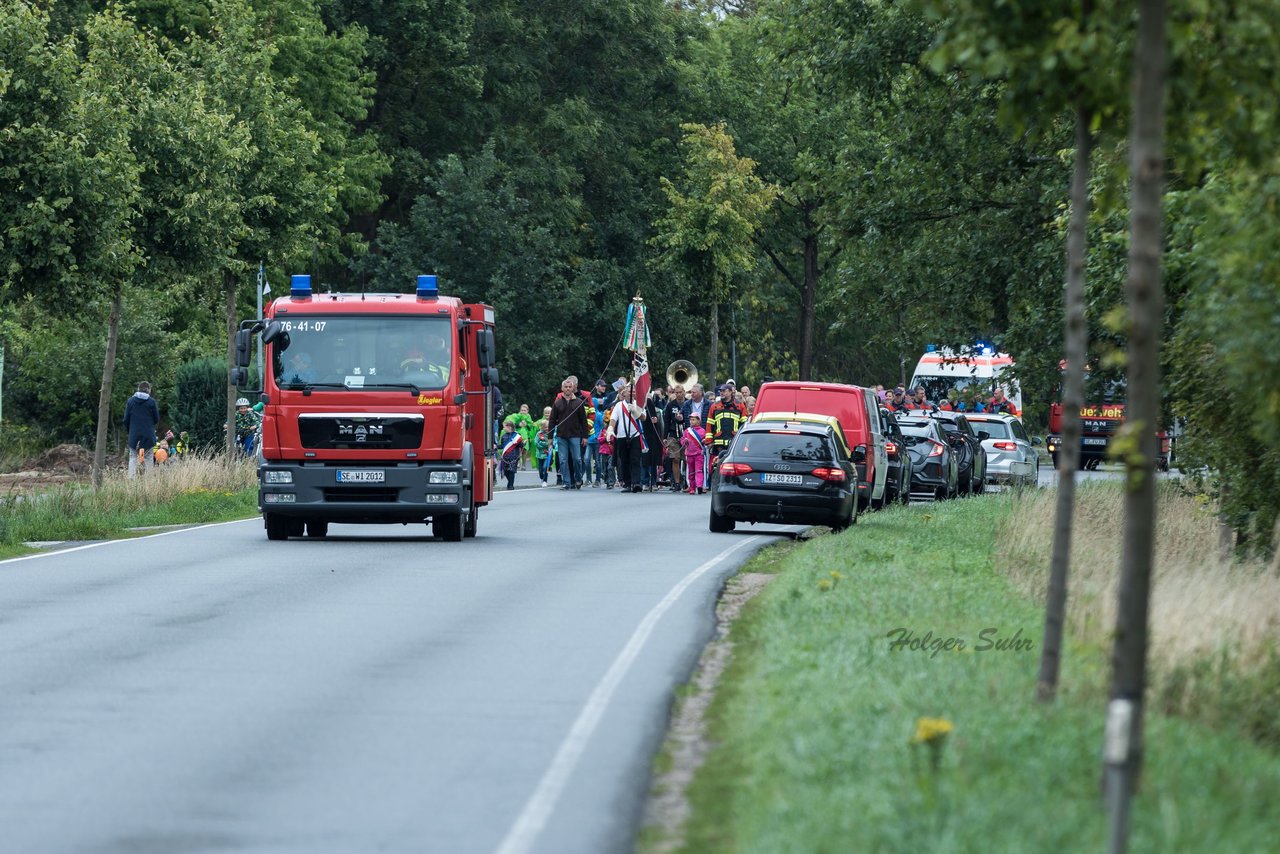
column 141, row 415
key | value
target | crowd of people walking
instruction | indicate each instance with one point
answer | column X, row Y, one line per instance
column 603, row 438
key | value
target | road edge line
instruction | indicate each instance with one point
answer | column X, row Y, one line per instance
column 533, row 818
column 101, row 543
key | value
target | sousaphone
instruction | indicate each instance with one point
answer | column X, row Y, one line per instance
column 682, row 373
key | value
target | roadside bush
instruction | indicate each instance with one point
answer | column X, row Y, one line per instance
column 200, row 401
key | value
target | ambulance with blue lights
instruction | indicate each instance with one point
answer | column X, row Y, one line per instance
column 378, row 408
column 973, row 372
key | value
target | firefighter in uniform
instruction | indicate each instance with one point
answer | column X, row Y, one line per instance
column 723, row 420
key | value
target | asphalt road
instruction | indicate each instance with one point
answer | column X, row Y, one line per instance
column 206, row 690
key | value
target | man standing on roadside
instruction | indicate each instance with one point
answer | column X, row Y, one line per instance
column 141, row 415
column 727, row 415
column 569, row 421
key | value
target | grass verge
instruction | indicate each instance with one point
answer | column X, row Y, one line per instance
column 816, row 718
column 197, row 489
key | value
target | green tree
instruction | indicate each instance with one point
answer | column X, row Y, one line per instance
column 715, row 209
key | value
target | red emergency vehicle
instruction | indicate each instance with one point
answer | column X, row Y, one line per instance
column 378, row 409
column 1099, row 420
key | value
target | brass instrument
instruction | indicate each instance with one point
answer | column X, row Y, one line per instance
column 682, row 373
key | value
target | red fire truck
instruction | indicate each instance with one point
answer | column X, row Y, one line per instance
column 1099, row 420
column 377, row 408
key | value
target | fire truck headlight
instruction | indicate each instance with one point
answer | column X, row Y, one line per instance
column 443, row 477
column 270, row 476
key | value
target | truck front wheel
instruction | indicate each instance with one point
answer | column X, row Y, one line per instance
column 473, row 519
column 317, row 528
column 447, row 528
column 277, row 526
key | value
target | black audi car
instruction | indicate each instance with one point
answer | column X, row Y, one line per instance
column 785, row 472
column 934, row 467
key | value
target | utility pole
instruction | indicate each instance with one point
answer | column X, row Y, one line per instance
column 263, row 288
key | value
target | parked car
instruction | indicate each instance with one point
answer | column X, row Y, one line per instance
column 934, row 466
column 787, row 472
column 972, row 460
column 898, row 482
column 856, row 408
column 1011, row 455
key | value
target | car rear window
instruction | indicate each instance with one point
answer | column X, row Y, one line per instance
column 994, row 429
column 803, row 447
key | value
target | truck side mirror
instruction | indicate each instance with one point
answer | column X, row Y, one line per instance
column 275, row 332
column 244, row 342
column 860, row 454
column 489, row 376
column 238, row 376
column 485, row 349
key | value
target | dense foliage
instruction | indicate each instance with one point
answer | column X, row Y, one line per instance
column 152, row 152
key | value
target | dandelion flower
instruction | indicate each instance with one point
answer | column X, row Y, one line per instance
column 929, row 730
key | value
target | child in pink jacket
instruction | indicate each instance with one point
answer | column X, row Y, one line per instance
column 694, row 460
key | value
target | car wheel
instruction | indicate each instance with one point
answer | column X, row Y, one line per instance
column 317, row 528
column 447, row 528
column 277, row 527
column 720, row 524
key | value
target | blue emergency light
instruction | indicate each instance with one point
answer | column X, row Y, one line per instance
column 986, row 348
column 930, row 348
column 427, row 288
column 300, row 286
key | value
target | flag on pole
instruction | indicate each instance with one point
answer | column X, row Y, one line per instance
column 635, row 337
column 264, row 287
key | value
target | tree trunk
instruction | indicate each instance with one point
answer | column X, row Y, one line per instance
column 104, row 392
column 808, row 295
column 232, row 323
column 1123, row 748
column 1076, row 335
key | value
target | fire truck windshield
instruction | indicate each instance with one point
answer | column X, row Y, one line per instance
column 364, row 352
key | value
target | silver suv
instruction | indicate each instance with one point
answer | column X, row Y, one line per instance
column 1011, row 455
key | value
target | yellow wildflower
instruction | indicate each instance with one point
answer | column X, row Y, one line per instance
column 929, row 730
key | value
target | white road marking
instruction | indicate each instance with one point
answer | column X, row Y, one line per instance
column 128, row 540
column 524, row 833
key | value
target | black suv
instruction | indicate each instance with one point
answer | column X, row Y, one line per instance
column 971, row 456
column 785, row 472
column 898, row 486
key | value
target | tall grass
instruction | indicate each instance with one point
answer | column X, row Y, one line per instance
column 1215, row 623
column 200, row 487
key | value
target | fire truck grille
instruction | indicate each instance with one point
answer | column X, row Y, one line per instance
column 362, row 495
column 323, row 431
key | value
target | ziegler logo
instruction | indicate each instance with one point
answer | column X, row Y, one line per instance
column 358, row 432
column 1102, row 412
column 423, row 400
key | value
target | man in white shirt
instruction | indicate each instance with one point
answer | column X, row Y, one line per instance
column 624, row 424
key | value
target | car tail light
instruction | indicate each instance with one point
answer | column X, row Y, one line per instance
column 1007, row 446
column 833, row 475
column 734, row 469
column 938, row 448
column 891, row 448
